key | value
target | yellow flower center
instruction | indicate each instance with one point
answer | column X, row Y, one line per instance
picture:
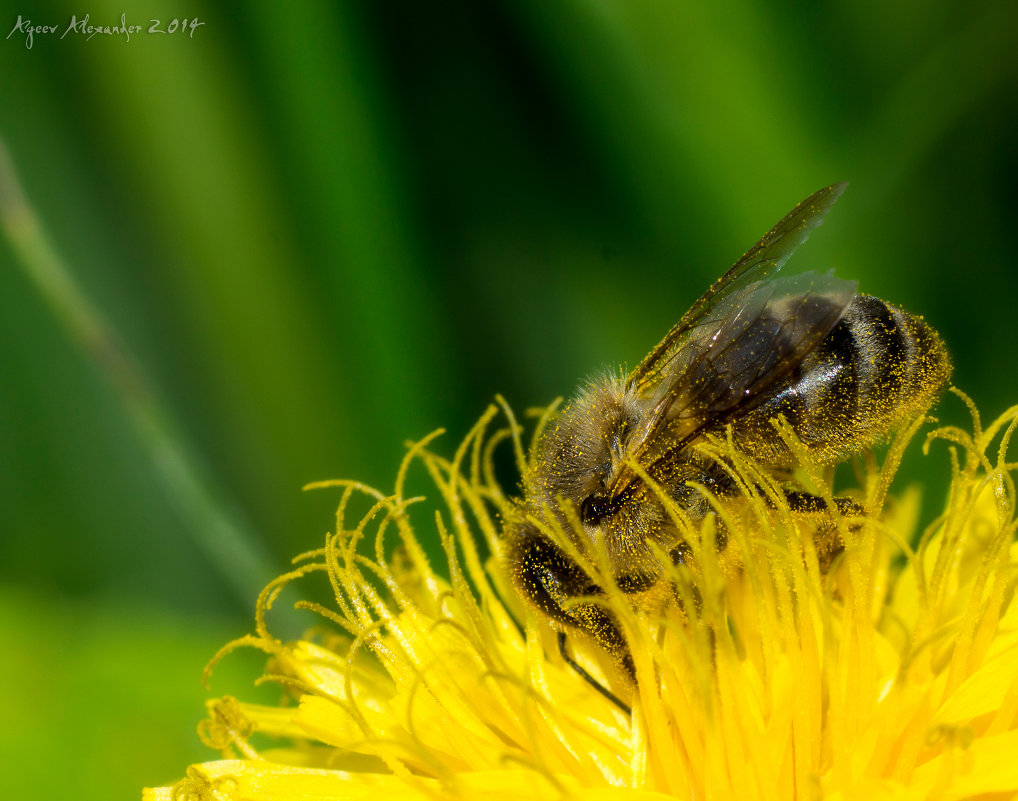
column 778, row 667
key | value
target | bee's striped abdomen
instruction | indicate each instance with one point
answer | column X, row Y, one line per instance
column 877, row 368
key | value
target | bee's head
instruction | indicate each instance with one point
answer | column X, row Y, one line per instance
column 580, row 454
column 580, row 471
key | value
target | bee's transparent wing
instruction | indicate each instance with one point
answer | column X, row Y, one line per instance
column 749, row 342
column 695, row 329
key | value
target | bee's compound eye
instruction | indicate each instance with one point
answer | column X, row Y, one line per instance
column 594, row 509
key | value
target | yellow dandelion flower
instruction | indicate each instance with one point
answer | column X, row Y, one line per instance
column 891, row 672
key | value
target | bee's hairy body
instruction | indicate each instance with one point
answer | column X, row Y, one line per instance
column 842, row 369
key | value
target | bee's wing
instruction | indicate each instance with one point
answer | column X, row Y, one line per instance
column 764, row 259
column 742, row 347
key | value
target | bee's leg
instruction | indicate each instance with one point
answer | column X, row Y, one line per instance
column 551, row 581
column 828, row 541
column 590, row 679
column 807, row 503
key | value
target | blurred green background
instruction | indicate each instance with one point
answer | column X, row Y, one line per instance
column 324, row 229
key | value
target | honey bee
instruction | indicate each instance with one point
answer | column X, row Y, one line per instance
column 842, row 368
